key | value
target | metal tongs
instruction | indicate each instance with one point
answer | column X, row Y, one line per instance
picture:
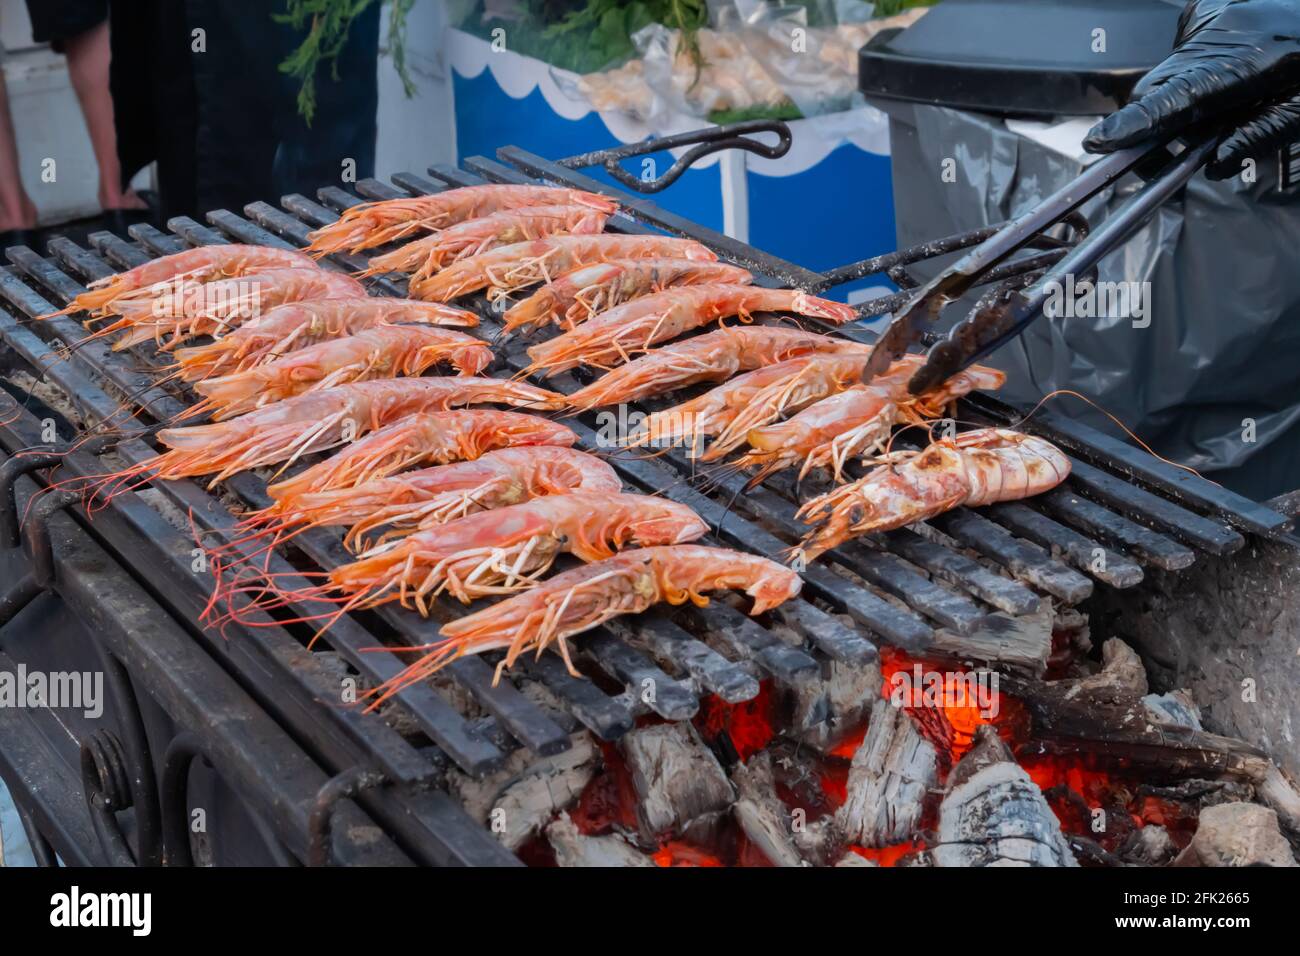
column 998, row 318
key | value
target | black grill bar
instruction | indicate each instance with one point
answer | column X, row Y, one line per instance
column 1146, row 544
column 1080, row 552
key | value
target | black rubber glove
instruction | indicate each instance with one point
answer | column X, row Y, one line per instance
column 1235, row 66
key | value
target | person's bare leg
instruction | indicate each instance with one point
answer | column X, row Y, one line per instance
column 16, row 208
column 88, row 56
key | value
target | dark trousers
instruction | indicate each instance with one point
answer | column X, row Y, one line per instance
column 197, row 87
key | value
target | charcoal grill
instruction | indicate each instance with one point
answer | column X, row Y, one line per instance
column 129, row 572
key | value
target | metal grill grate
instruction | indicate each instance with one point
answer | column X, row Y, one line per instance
column 1125, row 506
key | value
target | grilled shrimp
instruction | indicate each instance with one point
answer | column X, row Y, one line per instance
column 435, row 252
column 498, row 552
column 415, row 500
column 216, row 307
column 689, row 423
column 856, row 421
column 580, row 293
column 712, row 357
column 608, row 338
column 383, row 352
column 156, row 277
column 287, row 430
column 371, row 224
column 510, row 268
column 802, row 384
column 975, row 468
column 297, row 325
column 578, row 600
column 420, row 438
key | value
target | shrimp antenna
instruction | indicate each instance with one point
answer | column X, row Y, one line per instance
column 1124, row 428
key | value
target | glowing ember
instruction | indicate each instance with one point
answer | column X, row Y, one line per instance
column 675, row 853
column 947, row 704
column 888, row 855
column 609, row 800
column 748, row 725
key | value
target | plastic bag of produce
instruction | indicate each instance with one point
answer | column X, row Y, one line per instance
column 810, row 52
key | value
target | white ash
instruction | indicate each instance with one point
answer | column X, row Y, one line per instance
column 1174, row 709
column 892, row 773
column 994, row 815
column 854, row 859
column 1150, row 845
column 573, row 848
column 677, row 778
column 1237, row 834
column 784, row 836
column 519, row 798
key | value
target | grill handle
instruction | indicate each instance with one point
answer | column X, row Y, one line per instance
column 714, row 139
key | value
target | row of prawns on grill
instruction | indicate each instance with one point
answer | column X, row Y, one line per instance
column 292, row 360
column 788, row 398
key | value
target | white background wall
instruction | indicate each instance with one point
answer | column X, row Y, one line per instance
column 415, row 133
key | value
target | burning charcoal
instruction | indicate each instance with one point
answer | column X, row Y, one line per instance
column 1237, row 834
column 854, row 859
column 798, row 772
column 890, row 776
column 994, row 815
column 1196, row 794
column 572, row 848
column 1150, row 845
column 786, row 839
column 1175, row 709
column 826, row 706
column 678, row 780
column 517, row 800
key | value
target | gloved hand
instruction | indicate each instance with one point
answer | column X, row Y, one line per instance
column 1235, row 65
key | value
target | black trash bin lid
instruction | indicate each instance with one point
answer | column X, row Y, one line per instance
column 1021, row 57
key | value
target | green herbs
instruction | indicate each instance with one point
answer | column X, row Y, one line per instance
column 782, row 111
column 591, row 35
column 329, row 22
column 888, row 8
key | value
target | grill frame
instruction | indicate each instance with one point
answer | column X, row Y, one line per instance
column 1119, row 500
